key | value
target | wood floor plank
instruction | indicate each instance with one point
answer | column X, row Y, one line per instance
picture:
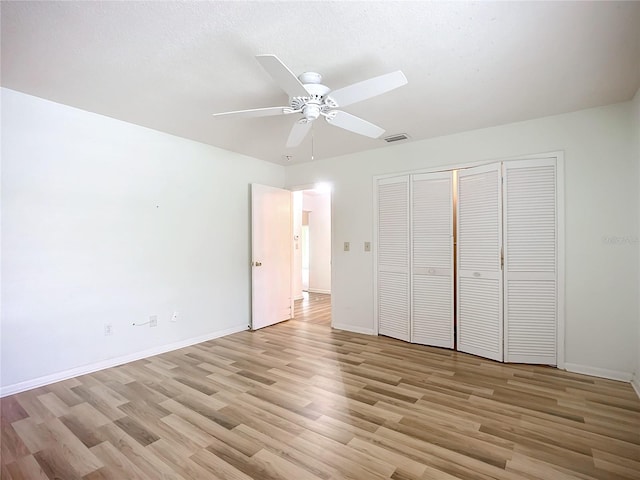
column 289, row 452
column 302, row 401
column 405, row 465
column 30, row 403
column 101, row 402
column 117, row 465
column 55, row 466
column 148, row 463
column 280, row 467
column 69, row 448
column 12, row 447
column 32, row 434
column 56, row 406
column 180, row 463
column 217, row 467
column 11, row 410
column 26, row 468
column 212, row 428
column 615, row 466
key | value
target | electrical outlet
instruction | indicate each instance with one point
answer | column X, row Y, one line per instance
column 108, row 329
column 174, row 317
column 347, row 246
column 153, row 321
column 367, row 246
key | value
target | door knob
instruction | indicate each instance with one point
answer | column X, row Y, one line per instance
column 257, row 264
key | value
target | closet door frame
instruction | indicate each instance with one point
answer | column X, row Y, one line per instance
column 559, row 158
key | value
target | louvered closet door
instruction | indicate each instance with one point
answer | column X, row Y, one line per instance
column 432, row 259
column 393, row 257
column 479, row 231
column 530, row 250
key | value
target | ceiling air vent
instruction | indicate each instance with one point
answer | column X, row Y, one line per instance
column 396, row 138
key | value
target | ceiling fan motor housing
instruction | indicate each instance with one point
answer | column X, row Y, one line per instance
column 310, row 77
column 315, row 104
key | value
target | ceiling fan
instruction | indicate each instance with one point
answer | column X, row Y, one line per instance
column 308, row 96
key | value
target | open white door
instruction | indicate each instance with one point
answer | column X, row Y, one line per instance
column 271, row 251
column 479, row 217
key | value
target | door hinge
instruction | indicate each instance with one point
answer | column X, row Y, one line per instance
column 501, row 258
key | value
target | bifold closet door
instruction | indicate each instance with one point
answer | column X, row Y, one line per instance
column 432, row 259
column 393, row 294
column 479, row 282
column 530, row 255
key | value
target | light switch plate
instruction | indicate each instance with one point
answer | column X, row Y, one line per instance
column 346, row 246
column 367, row 246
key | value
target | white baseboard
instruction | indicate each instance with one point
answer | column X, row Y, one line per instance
column 299, row 298
column 598, row 372
column 351, row 328
column 318, row 290
column 635, row 383
column 113, row 362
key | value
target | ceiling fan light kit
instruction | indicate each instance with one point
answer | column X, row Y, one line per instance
column 309, row 97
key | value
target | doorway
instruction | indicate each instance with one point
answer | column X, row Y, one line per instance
column 312, row 245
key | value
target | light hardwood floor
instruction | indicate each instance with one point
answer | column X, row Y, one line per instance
column 299, row 401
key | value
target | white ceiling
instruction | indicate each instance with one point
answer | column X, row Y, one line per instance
column 169, row 65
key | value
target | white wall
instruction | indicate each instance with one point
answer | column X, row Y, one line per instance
column 319, row 206
column 297, row 245
column 601, row 201
column 636, row 132
column 108, row 222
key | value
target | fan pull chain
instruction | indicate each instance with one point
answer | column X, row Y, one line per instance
column 312, row 142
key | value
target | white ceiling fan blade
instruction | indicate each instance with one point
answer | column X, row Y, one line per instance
column 354, row 124
column 298, row 132
column 258, row 112
column 284, row 77
column 368, row 88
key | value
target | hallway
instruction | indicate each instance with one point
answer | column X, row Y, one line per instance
column 313, row 308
